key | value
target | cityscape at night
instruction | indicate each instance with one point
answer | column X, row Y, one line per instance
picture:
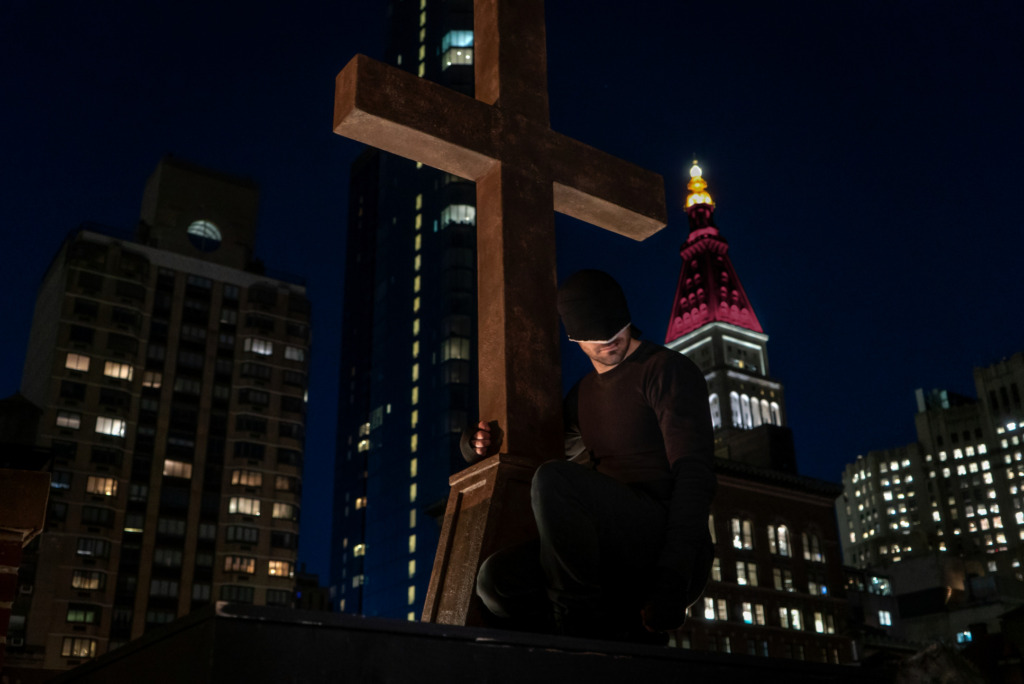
column 864, row 160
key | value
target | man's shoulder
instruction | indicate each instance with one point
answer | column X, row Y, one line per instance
column 657, row 355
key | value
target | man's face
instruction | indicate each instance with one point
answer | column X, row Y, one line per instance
column 607, row 355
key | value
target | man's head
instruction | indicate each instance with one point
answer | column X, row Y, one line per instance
column 595, row 315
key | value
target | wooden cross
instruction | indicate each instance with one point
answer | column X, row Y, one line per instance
column 503, row 140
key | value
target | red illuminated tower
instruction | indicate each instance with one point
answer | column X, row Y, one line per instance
column 714, row 324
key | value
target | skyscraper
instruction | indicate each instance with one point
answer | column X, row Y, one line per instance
column 408, row 353
column 171, row 374
column 777, row 576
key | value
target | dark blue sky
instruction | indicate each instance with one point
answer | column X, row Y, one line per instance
column 865, row 157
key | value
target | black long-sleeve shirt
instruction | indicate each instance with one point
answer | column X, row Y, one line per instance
column 646, row 422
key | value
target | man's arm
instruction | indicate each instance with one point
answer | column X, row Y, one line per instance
column 679, row 398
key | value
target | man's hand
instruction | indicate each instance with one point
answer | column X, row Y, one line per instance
column 486, row 441
column 481, row 440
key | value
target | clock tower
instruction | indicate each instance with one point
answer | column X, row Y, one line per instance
column 714, row 324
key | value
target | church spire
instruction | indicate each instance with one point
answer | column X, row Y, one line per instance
column 709, row 290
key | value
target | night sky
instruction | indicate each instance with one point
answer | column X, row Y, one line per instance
column 865, row 159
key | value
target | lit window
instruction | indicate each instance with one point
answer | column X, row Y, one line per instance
column 412, row 518
column 415, row 395
column 412, row 543
column 294, row 353
column 285, row 511
column 414, row 419
column 709, row 608
column 77, row 362
column 412, row 492
column 364, row 445
column 177, row 469
column 121, row 371
column 413, row 443
column 104, row 486
column 884, row 618
column 244, row 505
column 88, row 580
column 152, row 379
column 416, row 285
column 240, row 564
column 415, row 371
column 778, row 540
column 279, row 568
column 359, row 550
column 415, row 326
column 110, row 426
column 413, row 467
column 258, row 346
column 247, row 478
column 412, row 568
column 360, row 502
column 68, row 419
column 458, row 213
column 78, row 647
column 748, row 613
column 746, row 573
column 455, row 348
column 742, row 534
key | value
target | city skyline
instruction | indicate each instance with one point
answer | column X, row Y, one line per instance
column 861, row 159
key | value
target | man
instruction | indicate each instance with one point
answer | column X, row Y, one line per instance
column 623, row 524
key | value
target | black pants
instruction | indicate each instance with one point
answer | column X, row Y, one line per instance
column 599, row 540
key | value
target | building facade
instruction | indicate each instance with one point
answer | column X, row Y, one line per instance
column 171, row 372
column 408, row 354
column 951, row 502
column 777, row 587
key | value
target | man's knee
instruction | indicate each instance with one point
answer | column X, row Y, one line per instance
column 552, row 480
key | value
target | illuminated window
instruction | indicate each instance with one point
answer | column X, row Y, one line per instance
column 415, row 326
column 812, row 548
column 414, row 419
column 415, row 395
column 455, row 348
column 88, row 580
column 716, row 411
column 884, row 618
column 745, row 407
column 121, row 371
column 412, row 492
column 782, row 579
column 104, row 486
column 360, row 502
column 152, row 379
column 418, row 223
column 417, row 245
column 412, row 543
column 716, row 571
column 776, row 414
column 778, row 540
column 177, row 469
column 359, row 550
column 294, row 353
column 258, row 346
column 742, row 534
column 411, row 594
column 364, row 445
column 285, row 511
column 280, row 568
column 413, row 443
column 68, row 419
column 412, row 568
column 243, row 564
column 413, row 467
column 746, row 573
column 412, row 518
column 77, row 362
column 458, row 213
column 244, row 506
column 734, row 405
column 110, row 426
column 416, row 285
column 247, row 478
column 78, row 647
column 709, row 608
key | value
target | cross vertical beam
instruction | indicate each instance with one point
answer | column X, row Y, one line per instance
column 501, row 139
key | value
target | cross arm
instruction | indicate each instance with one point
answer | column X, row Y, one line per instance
column 609, row 192
column 395, row 111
